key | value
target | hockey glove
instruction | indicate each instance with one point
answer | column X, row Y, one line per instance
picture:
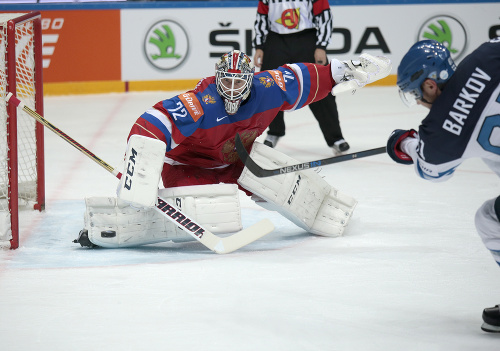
column 394, row 145
column 352, row 75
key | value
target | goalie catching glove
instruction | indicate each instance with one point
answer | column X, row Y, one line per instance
column 353, row 75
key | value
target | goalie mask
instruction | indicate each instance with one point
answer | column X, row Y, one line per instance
column 425, row 59
column 233, row 77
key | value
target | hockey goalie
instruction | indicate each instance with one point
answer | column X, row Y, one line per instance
column 187, row 143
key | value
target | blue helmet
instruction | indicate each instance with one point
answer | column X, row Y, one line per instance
column 425, row 59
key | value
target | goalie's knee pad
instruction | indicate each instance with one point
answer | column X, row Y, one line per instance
column 215, row 207
column 303, row 197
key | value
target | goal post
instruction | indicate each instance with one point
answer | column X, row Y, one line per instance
column 22, row 183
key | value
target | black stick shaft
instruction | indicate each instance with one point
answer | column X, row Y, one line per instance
column 261, row 172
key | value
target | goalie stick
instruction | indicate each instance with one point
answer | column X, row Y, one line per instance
column 262, row 172
column 204, row 236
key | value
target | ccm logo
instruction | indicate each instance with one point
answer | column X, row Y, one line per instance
column 130, row 170
column 294, row 191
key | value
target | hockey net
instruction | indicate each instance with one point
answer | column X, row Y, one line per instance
column 21, row 137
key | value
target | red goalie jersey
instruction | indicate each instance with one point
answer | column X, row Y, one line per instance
column 199, row 134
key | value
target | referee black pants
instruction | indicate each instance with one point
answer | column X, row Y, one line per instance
column 299, row 47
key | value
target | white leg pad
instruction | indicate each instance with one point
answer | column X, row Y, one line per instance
column 141, row 175
column 303, row 197
column 216, row 207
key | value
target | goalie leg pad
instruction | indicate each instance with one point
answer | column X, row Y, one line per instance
column 303, row 197
column 216, row 207
column 132, row 226
column 143, row 165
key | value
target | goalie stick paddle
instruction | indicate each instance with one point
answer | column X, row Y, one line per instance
column 213, row 242
column 262, row 172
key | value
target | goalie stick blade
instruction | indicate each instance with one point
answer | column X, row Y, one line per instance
column 209, row 239
column 243, row 237
column 261, row 172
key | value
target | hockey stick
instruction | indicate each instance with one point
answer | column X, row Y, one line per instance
column 210, row 240
column 262, row 172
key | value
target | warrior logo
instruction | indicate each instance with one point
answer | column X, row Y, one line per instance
column 166, row 45
column 448, row 31
column 184, row 221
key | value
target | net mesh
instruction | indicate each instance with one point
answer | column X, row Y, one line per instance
column 26, row 137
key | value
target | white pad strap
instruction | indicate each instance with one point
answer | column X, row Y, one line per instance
column 357, row 74
column 303, row 197
column 143, row 165
column 215, row 207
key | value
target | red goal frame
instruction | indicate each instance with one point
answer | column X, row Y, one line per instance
column 12, row 116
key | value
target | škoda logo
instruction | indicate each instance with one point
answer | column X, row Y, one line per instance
column 447, row 30
column 166, row 45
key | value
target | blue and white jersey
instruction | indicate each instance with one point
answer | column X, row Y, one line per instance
column 464, row 122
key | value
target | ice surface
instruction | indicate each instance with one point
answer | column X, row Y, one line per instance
column 410, row 273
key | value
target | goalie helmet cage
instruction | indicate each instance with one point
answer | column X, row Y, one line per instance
column 21, row 137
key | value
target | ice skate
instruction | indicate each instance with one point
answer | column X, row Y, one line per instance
column 271, row 140
column 340, row 146
column 491, row 318
column 83, row 239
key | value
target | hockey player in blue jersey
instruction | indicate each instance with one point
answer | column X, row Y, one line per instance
column 463, row 122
